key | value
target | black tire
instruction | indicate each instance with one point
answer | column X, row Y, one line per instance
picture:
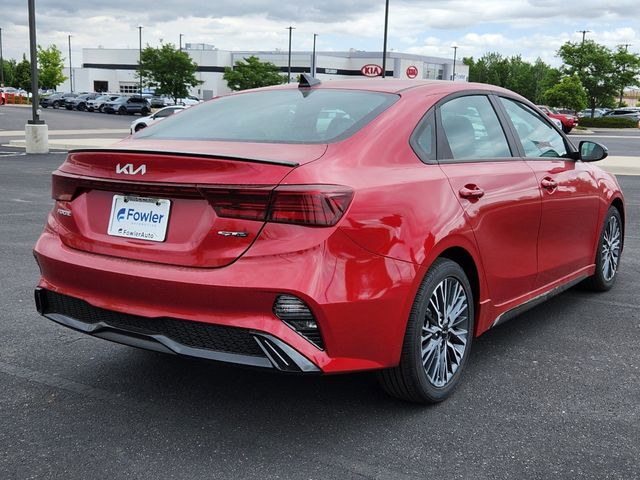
column 144, row 112
column 56, row 104
column 139, row 127
column 81, row 107
column 600, row 281
column 566, row 129
column 409, row 380
column 101, row 109
column 122, row 111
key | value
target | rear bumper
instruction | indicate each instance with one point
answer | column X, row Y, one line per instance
column 179, row 337
column 360, row 300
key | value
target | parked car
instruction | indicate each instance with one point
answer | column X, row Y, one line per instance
column 568, row 121
column 128, row 105
column 188, row 101
column 161, row 114
column 597, row 113
column 238, row 231
column 160, row 101
column 631, row 114
column 80, row 102
column 98, row 103
column 56, row 100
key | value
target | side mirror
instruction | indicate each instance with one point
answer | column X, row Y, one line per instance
column 592, row 151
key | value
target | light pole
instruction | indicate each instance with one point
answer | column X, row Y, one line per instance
column 384, row 45
column 1, row 61
column 584, row 33
column 36, row 134
column 181, row 41
column 140, row 56
column 313, row 56
column 289, row 64
column 455, row 52
column 70, row 68
column 34, row 64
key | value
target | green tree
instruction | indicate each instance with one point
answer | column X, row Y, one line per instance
column 514, row 73
column 594, row 65
column 9, row 67
column 50, row 67
column 627, row 66
column 22, row 78
column 568, row 93
column 252, row 73
column 169, row 70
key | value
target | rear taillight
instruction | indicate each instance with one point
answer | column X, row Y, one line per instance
column 250, row 203
column 310, row 205
column 63, row 188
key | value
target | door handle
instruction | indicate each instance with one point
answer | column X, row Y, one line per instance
column 471, row 192
column 549, row 184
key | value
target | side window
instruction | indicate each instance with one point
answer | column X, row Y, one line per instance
column 471, row 128
column 538, row 138
column 423, row 139
column 164, row 113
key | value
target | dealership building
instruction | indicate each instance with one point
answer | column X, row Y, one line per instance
column 113, row 70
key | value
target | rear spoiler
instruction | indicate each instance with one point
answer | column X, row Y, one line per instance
column 185, row 154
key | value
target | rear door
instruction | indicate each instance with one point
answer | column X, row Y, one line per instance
column 498, row 192
column 569, row 195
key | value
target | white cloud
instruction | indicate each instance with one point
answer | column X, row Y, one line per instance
column 533, row 28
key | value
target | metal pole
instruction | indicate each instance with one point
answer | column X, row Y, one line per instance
column 1, row 61
column 384, row 46
column 181, row 42
column 584, row 33
column 34, row 64
column 313, row 57
column 455, row 51
column 70, row 68
column 140, row 56
column 289, row 64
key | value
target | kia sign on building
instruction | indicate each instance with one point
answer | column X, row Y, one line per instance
column 371, row 70
column 412, row 71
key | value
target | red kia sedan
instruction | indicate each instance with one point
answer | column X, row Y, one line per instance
column 330, row 227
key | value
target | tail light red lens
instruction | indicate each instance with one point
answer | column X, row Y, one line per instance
column 63, row 188
column 250, row 203
column 311, row 205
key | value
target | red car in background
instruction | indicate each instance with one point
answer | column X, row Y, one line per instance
column 251, row 230
column 568, row 121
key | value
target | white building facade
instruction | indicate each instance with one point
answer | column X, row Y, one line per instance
column 113, row 70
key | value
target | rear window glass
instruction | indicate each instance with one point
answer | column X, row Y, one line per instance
column 276, row 116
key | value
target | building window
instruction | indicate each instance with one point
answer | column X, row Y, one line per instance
column 433, row 71
column 128, row 88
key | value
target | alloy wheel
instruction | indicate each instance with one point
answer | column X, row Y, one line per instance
column 445, row 331
column 611, row 248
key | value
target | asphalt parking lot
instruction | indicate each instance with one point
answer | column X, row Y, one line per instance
column 554, row 393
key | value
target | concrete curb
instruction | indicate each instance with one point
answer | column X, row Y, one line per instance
column 71, row 143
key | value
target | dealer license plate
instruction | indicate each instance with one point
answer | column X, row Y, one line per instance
column 139, row 217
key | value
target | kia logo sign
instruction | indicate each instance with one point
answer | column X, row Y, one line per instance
column 412, row 71
column 371, row 70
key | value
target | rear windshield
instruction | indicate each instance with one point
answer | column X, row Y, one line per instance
column 276, row 116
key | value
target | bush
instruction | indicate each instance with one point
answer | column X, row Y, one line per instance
column 608, row 122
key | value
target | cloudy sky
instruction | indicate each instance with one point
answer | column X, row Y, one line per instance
column 533, row 28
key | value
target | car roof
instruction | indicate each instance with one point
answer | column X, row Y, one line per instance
column 396, row 85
